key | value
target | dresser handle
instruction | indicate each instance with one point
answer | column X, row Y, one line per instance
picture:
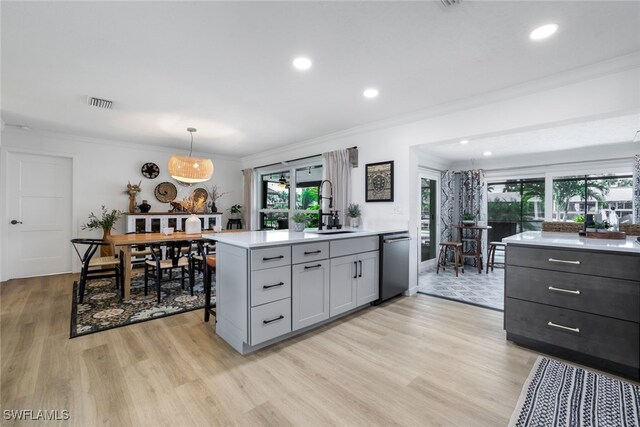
column 563, row 261
column 273, row 257
column 566, row 328
column 308, row 267
column 266, row 322
column 568, row 291
column 272, row 286
column 313, row 252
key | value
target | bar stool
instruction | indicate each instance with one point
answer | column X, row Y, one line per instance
column 491, row 255
column 457, row 256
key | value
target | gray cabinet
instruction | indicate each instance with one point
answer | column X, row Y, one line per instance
column 367, row 284
column 354, row 281
column 310, row 293
column 577, row 304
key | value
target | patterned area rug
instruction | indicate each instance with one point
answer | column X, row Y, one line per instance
column 484, row 290
column 557, row 394
column 102, row 308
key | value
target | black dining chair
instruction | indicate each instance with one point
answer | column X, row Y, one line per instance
column 93, row 267
column 205, row 260
column 177, row 257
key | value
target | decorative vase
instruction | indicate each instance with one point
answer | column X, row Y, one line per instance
column 355, row 222
column 193, row 225
column 298, row 226
column 144, row 207
column 106, row 250
column 214, row 209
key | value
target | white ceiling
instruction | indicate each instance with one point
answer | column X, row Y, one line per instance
column 225, row 67
column 615, row 130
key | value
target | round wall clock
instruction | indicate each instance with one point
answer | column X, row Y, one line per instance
column 150, row 170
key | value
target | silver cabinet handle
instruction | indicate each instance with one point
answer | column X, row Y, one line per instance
column 564, row 261
column 566, row 328
column 568, row 291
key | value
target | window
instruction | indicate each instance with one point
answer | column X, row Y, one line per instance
column 281, row 196
column 575, row 196
column 515, row 206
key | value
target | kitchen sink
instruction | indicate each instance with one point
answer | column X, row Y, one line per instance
column 332, row 232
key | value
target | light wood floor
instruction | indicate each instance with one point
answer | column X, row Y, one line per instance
column 415, row 361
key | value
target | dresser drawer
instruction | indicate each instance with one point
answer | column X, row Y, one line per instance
column 598, row 336
column 270, row 257
column 270, row 285
column 344, row 247
column 270, row 321
column 616, row 265
column 592, row 294
column 310, row 252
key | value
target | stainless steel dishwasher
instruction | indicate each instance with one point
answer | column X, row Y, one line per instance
column 394, row 265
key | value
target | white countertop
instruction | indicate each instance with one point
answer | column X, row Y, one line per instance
column 573, row 240
column 256, row 239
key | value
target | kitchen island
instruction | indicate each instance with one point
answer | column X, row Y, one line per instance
column 272, row 285
column 574, row 297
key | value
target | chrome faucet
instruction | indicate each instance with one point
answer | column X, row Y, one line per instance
column 320, row 199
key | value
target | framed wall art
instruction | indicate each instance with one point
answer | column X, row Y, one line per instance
column 379, row 182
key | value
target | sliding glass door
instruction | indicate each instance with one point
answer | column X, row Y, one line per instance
column 429, row 216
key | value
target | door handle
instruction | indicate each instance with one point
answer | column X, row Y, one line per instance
column 360, row 275
column 14, row 222
column 564, row 261
column 355, row 264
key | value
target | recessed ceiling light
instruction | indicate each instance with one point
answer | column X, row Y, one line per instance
column 487, row 153
column 543, row 32
column 370, row 93
column 302, row 63
column 464, row 141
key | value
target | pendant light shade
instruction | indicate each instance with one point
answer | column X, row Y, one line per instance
column 189, row 169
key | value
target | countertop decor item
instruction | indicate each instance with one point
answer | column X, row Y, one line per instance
column 299, row 221
column 379, row 182
column 165, row 192
column 144, row 206
column 188, row 169
column 150, row 170
column 132, row 190
column 193, row 225
column 214, row 194
column 106, row 222
column 353, row 212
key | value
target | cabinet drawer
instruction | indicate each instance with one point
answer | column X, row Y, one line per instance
column 598, row 336
column 270, row 321
column 616, row 265
column 609, row 297
column 310, row 252
column 270, row 257
column 344, row 247
column 270, row 285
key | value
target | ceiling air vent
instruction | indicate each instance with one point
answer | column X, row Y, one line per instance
column 100, row 103
column 449, row 3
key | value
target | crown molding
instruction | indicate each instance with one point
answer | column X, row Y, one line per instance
column 107, row 142
column 593, row 71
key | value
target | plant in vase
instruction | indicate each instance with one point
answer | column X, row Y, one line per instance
column 299, row 221
column 468, row 219
column 601, row 227
column 214, row 195
column 353, row 212
column 192, row 204
column 236, row 211
column 106, row 222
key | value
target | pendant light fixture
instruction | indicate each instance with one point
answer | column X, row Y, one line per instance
column 190, row 170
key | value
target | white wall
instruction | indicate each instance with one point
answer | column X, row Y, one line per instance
column 102, row 169
column 604, row 95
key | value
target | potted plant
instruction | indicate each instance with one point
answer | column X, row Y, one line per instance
column 106, row 222
column 214, row 195
column 236, row 211
column 468, row 219
column 601, row 227
column 353, row 212
column 299, row 221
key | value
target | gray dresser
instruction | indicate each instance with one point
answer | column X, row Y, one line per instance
column 578, row 304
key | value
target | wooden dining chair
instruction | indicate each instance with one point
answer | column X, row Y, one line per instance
column 96, row 267
column 177, row 256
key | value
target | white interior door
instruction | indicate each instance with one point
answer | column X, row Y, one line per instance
column 38, row 190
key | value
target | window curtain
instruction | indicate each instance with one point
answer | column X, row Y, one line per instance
column 636, row 190
column 249, row 216
column 336, row 167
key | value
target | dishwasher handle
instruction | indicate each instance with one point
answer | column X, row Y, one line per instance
column 400, row 239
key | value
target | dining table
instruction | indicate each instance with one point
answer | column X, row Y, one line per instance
column 124, row 242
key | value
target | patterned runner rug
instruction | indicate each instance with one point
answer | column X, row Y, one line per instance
column 557, row 394
column 102, row 308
